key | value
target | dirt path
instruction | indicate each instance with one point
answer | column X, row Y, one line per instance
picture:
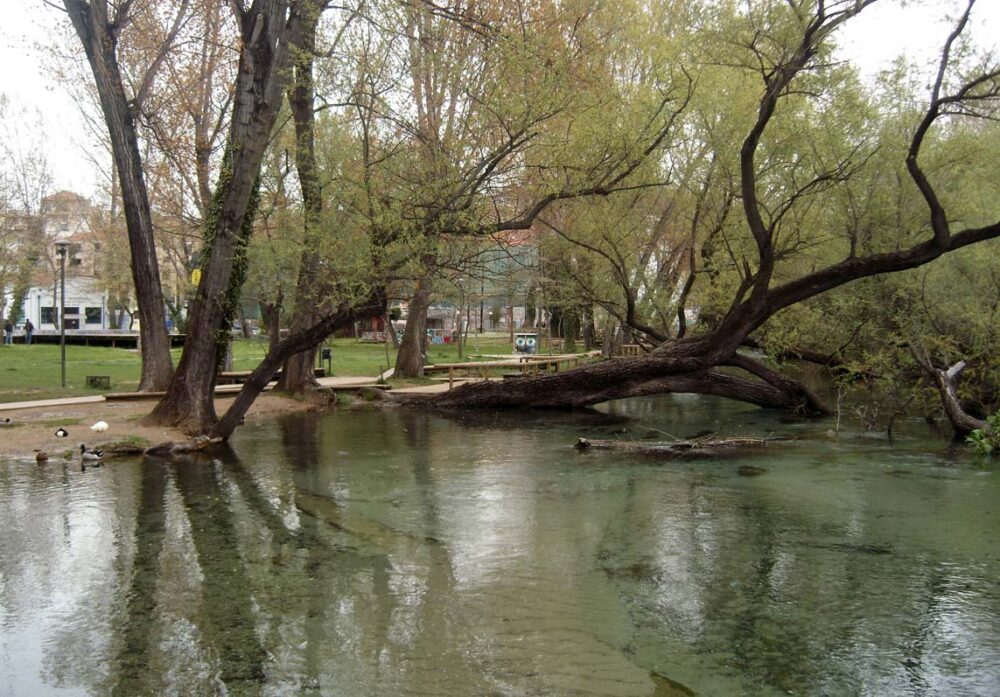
column 33, row 428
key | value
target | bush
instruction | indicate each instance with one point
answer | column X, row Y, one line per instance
column 986, row 440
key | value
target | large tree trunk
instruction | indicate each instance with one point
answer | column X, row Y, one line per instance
column 391, row 328
column 261, row 79
column 412, row 350
column 99, row 41
column 677, row 368
column 298, row 375
column 190, row 400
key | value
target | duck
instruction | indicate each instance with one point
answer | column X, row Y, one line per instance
column 5, row 421
column 90, row 455
column 41, row 456
column 100, row 427
column 61, row 432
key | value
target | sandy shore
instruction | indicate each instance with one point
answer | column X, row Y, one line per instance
column 33, row 429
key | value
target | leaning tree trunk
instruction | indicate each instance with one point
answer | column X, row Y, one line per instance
column 412, row 353
column 343, row 316
column 945, row 381
column 963, row 422
column 393, row 337
column 99, row 42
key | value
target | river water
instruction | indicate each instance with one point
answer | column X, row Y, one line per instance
column 395, row 552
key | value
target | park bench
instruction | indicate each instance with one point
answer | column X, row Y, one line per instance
column 238, row 377
column 528, row 364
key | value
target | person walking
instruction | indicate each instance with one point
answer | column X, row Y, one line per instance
column 29, row 329
column 8, row 333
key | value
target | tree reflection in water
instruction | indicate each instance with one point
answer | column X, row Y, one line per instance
column 395, row 552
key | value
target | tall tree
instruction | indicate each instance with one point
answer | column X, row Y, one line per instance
column 298, row 375
column 451, row 151
column 99, row 31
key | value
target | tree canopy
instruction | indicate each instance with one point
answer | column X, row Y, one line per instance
column 702, row 175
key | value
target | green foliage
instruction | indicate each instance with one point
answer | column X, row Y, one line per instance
column 986, row 440
column 431, row 135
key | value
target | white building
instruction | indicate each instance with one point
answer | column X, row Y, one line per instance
column 86, row 306
column 67, row 217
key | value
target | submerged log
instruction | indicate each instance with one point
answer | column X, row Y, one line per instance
column 171, row 448
column 702, row 447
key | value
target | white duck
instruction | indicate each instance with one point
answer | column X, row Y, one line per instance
column 100, row 427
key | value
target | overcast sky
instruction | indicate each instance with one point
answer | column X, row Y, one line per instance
column 875, row 38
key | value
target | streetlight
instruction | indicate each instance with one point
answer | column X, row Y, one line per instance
column 460, row 282
column 62, row 246
column 482, row 297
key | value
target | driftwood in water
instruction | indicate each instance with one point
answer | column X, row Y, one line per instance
column 701, row 447
column 946, row 381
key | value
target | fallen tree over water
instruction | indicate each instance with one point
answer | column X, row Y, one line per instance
column 664, row 371
column 693, row 363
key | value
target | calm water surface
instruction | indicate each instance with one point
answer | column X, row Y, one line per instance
column 400, row 553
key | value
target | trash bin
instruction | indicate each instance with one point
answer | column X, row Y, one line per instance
column 526, row 343
column 326, row 356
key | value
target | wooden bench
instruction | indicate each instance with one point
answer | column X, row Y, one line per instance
column 238, row 377
column 527, row 364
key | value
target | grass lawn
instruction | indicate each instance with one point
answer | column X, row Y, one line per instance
column 33, row 372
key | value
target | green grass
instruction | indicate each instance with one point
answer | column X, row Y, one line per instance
column 33, row 372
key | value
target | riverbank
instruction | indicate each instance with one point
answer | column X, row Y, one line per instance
column 33, row 429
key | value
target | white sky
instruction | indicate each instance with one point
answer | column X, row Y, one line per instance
column 27, row 23
column 876, row 37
